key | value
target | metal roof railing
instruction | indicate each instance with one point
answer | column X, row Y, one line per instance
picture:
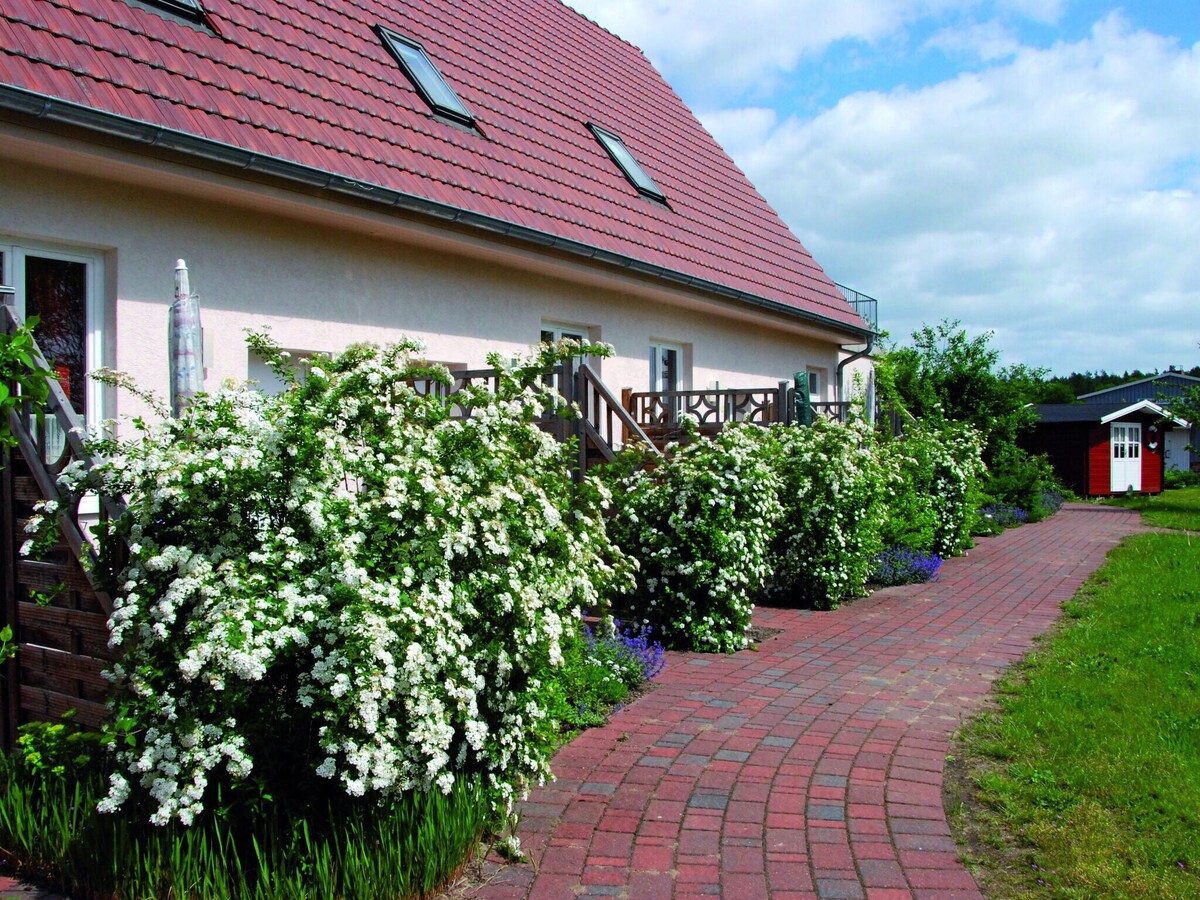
column 866, row 307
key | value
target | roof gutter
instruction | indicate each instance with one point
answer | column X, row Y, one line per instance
column 224, row 156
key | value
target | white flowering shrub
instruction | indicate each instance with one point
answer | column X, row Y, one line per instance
column 832, row 487
column 346, row 588
column 700, row 525
column 935, row 491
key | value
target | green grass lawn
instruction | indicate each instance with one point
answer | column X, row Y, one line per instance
column 1085, row 781
column 1170, row 509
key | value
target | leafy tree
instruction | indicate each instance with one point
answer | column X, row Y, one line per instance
column 1187, row 406
column 947, row 376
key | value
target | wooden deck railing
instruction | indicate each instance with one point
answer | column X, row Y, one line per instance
column 658, row 412
column 605, row 424
column 762, row 406
column 57, row 609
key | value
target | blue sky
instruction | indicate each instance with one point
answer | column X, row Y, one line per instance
column 1029, row 167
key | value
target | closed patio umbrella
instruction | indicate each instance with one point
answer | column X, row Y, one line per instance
column 185, row 343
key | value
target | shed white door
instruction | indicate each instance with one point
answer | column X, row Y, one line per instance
column 1126, row 450
column 1175, row 444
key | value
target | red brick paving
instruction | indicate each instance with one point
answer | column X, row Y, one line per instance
column 813, row 767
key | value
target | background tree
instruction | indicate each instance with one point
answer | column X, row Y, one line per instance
column 945, row 375
column 1187, row 406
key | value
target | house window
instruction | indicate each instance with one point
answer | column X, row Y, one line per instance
column 425, row 77
column 666, row 367
column 556, row 331
column 816, row 384
column 62, row 289
column 553, row 332
column 627, row 163
column 267, row 380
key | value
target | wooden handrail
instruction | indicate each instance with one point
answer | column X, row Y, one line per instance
column 31, row 441
column 597, row 402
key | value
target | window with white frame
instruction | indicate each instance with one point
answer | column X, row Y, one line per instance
column 666, row 366
column 565, row 331
column 63, row 288
column 267, row 379
column 552, row 332
column 816, row 384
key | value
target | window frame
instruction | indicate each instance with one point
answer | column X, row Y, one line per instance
column 633, row 170
column 15, row 253
column 656, row 349
column 816, row 384
column 393, row 41
column 191, row 10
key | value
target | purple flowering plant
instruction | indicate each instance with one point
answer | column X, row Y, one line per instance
column 903, row 565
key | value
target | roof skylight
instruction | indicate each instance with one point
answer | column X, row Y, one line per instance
column 629, row 165
column 189, row 9
column 425, row 77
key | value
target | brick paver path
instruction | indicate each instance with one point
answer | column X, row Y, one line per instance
column 812, row 768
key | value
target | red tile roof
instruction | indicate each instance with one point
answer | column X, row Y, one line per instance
column 310, row 82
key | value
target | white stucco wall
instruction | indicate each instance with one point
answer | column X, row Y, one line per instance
column 320, row 288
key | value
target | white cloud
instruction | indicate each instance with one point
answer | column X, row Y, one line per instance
column 715, row 47
column 1051, row 198
column 986, row 41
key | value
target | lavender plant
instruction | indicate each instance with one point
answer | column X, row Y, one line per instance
column 903, row 565
column 1002, row 516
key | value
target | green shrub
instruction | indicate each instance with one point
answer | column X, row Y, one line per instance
column 700, row 524
column 19, row 369
column 932, row 503
column 1018, row 479
column 601, row 666
column 1174, row 478
column 832, row 485
column 345, row 590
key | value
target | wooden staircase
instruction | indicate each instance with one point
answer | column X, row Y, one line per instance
column 57, row 611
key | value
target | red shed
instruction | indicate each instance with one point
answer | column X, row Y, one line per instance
column 1099, row 448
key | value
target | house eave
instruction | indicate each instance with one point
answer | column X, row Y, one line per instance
column 1147, row 406
column 42, row 111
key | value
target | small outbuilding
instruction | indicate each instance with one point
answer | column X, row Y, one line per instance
column 1098, row 449
column 1160, row 388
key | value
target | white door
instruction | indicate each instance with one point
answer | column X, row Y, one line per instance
column 1126, row 454
column 1175, row 443
column 666, row 377
column 61, row 288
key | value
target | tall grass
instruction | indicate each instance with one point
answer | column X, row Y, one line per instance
column 49, row 827
column 1087, row 778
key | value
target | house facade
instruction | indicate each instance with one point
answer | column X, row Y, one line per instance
column 1099, row 449
column 478, row 175
column 1159, row 388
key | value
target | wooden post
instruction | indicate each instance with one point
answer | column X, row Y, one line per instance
column 627, row 402
column 11, row 668
column 581, row 392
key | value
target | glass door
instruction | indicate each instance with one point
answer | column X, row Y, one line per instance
column 666, row 377
column 62, row 290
